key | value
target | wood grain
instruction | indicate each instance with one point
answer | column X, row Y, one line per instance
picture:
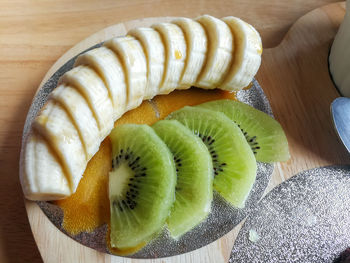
column 34, row 34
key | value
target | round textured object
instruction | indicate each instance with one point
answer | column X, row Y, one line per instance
column 304, row 219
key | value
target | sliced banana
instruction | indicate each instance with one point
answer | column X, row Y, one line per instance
column 220, row 50
column 247, row 55
column 42, row 176
column 154, row 49
column 134, row 60
column 54, row 124
column 112, row 79
column 197, row 46
column 106, row 63
column 175, row 49
column 78, row 108
column 91, row 86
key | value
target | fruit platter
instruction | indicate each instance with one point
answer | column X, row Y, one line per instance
column 119, row 133
column 146, row 189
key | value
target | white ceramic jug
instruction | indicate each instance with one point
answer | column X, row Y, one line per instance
column 339, row 58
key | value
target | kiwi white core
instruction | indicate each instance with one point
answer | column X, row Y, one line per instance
column 118, row 180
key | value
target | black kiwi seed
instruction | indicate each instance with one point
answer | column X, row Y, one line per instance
column 178, row 164
column 135, row 161
column 217, row 166
column 252, row 140
column 129, row 200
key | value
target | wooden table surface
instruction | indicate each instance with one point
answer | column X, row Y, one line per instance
column 34, row 34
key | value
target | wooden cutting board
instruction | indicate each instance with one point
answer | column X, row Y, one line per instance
column 294, row 75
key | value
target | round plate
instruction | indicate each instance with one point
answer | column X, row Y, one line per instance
column 304, row 219
column 222, row 219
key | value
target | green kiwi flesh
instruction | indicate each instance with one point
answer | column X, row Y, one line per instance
column 234, row 163
column 194, row 187
column 263, row 133
column 141, row 185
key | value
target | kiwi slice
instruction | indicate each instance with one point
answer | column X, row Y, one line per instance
column 234, row 164
column 194, row 169
column 263, row 133
column 141, row 185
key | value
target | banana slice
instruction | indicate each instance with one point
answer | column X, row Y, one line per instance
column 107, row 65
column 133, row 58
column 77, row 107
column 197, row 46
column 54, row 124
column 91, row 86
column 175, row 48
column 154, row 49
column 41, row 176
column 247, row 55
column 220, row 51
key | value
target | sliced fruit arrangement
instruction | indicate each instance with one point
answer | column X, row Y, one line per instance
column 208, row 150
column 141, row 185
column 194, row 170
column 263, row 133
column 206, row 52
column 234, row 164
